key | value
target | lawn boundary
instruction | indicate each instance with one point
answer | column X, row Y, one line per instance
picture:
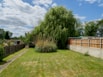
column 4, row 66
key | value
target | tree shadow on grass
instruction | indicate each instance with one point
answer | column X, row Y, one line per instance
column 46, row 51
column 2, row 62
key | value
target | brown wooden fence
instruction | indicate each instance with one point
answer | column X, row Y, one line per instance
column 95, row 43
column 11, row 49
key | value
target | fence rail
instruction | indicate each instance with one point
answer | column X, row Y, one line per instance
column 11, row 49
column 95, row 43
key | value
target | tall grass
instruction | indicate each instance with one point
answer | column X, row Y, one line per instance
column 45, row 45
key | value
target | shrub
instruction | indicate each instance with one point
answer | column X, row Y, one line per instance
column 31, row 45
column 45, row 46
column 86, row 54
column 1, row 52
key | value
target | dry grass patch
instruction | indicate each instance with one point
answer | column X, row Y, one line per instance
column 31, row 63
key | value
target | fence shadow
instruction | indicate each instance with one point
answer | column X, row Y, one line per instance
column 3, row 62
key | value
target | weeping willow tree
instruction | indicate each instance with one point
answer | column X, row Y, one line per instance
column 59, row 24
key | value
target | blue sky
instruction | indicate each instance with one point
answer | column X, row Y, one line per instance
column 89, row 9
column 86, row 10
column 20, row 16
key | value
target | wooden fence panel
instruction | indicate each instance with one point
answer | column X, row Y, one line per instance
column 78, row 42
column 84, row 42
column 11, row 49
column 95, row 43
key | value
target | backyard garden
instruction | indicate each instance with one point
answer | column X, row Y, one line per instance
column 46, row 53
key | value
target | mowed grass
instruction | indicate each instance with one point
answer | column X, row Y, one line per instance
column 13, row 55
column 6, row 59
column 63, row 63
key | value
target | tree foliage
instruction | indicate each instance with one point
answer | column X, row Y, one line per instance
column 8, row 35
column 91, row 29
column 79, row 29
column 100, row 27
column 58, row 24
column 5, row 34
column 2, row 34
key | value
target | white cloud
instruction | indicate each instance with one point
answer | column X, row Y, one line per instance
column 98, row 2
column 79, row 17
column 54, row 4
column 20, row 17
column 42, row 1
column 91, row 1
column 80, row 4
column 102, row 15
column 101, row 5
column 46, row 3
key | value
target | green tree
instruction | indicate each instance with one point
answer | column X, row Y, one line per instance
column 79, row 29
column 100, row 27
column 2, row 33
column 90, row 29
column 59, row 24
column 8, row 35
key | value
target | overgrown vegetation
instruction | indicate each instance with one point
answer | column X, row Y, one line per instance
column 45, row 45
column 1, row 52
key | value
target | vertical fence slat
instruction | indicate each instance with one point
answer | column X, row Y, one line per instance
column 11, row 49
column 95, row 43
column 100, row 43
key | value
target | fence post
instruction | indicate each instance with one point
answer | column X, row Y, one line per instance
column 76, row 42
column 100, row 43
column 88, row 42
column 81, row 42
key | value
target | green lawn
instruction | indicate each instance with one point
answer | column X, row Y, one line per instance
column 63, row 63
column 11, row 56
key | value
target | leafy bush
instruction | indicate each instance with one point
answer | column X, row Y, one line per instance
column 31, row 45
column 1, row 52
column 45, row 46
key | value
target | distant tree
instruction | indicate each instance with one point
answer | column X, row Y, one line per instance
column 100, row 27
column 79, row 32
column 91, row 29
column 8, row 35
column 2, row 34
column 79, row 29
column 27, row 38
column 15, row 37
